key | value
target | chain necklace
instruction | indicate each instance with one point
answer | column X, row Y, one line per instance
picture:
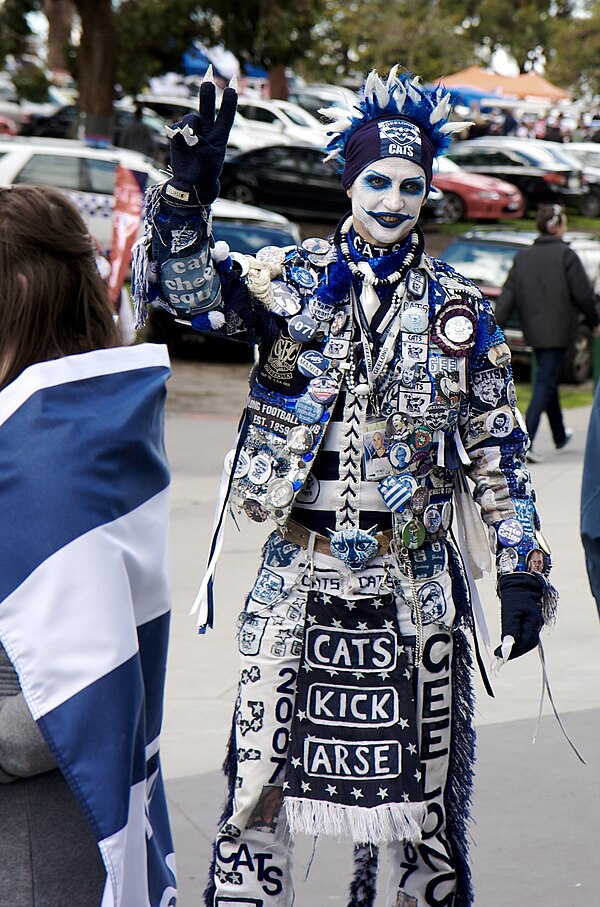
column 372, row 280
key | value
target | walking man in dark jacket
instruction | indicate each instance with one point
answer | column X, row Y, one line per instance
column 547, row 284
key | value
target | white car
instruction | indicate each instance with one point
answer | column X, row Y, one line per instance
column 88, row 177
column 313, row 97
column 284, row 118
column 587, row 153
column 244, row 136
column 86, row 174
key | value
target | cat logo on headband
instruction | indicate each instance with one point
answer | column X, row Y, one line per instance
column 399, row 138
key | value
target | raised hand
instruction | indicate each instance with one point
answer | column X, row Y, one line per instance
column 198, row 144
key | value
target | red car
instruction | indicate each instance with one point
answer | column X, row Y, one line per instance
column 471, row 196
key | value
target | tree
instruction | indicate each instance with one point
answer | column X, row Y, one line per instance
column 152, row 37
column 96, row 65
column 60, row 14
column 272, row 33
column 15, row 31
column 425, row 36
column 579, row 66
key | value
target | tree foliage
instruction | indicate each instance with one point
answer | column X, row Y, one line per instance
column 152, row 37
column 575, row 55
column 15, row 31
column 269, row 32
column 425, row 36
column 436, row 37
column 273, row 33
column 333, row 40
column 525, row 30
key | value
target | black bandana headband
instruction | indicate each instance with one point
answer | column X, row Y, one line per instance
column 387, row 137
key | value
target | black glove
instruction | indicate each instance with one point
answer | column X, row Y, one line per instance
column 521, row 609
column 197, row 167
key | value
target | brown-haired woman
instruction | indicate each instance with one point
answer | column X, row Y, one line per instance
column 83, row 520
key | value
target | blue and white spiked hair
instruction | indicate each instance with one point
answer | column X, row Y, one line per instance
column 400, row 96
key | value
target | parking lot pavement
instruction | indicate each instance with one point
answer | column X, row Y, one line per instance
column 536, row 830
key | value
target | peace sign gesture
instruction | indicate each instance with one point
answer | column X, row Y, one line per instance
column 198, row 144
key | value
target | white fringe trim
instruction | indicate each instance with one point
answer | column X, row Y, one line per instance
column 374, row 825
column 139, row 281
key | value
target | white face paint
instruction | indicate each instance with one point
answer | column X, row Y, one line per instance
column 386, row 200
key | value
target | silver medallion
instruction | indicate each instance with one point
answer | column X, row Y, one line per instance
column 280, row 493
column 432, row 519
column 446, row 516
column 271, row 255
column 300, row 439
column 420, row 500
column 415, row 320
column 458, row 329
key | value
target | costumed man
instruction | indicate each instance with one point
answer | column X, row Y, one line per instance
column 355, row 695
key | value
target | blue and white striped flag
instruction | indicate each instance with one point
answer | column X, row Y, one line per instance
column 84, row 593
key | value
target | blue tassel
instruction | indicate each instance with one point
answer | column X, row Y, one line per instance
column 460, row 589
column 363, row 888
column 337, row 286
column 459, row 784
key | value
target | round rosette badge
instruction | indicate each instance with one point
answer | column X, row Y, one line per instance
column 454, row 328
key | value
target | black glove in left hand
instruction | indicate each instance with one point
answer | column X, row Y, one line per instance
column 197, row 167
column 521, row 597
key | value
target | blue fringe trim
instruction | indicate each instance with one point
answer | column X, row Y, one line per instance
column 230, row 772
column 459, row 784
column 460, row 589
column 363, row 888
column 337, row 286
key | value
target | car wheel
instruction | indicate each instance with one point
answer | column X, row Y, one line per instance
column 455, row 207
column 241, row 192
column 590, row 205
column 577, row 364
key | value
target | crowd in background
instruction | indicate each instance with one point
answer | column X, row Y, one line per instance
column 551, row 128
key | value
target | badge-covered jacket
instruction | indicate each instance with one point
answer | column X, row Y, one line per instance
column 449, row 382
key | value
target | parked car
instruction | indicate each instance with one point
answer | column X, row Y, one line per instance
column 588, row 153
column 590, row 206
column 86, row 174
column 486, row 257
column 471, row 196
column 295, row 181
column 56, row 124
column 283, row 118
column 313, row 97
column 63, row 124
column 21, row 111
column 244, row 135
column 245, row 229
column 528, row 165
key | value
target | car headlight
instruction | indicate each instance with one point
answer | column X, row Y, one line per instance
column 492, row 196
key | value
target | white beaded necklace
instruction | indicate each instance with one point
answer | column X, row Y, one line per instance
column 371, row 279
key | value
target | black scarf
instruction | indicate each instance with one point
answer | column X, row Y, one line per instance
column 354, row 767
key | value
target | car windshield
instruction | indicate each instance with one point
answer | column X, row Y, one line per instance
column 586, row 158
column 299, row 116
column 567, row 157
column 483, row 263
column 445, row 165
column 248, row 238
